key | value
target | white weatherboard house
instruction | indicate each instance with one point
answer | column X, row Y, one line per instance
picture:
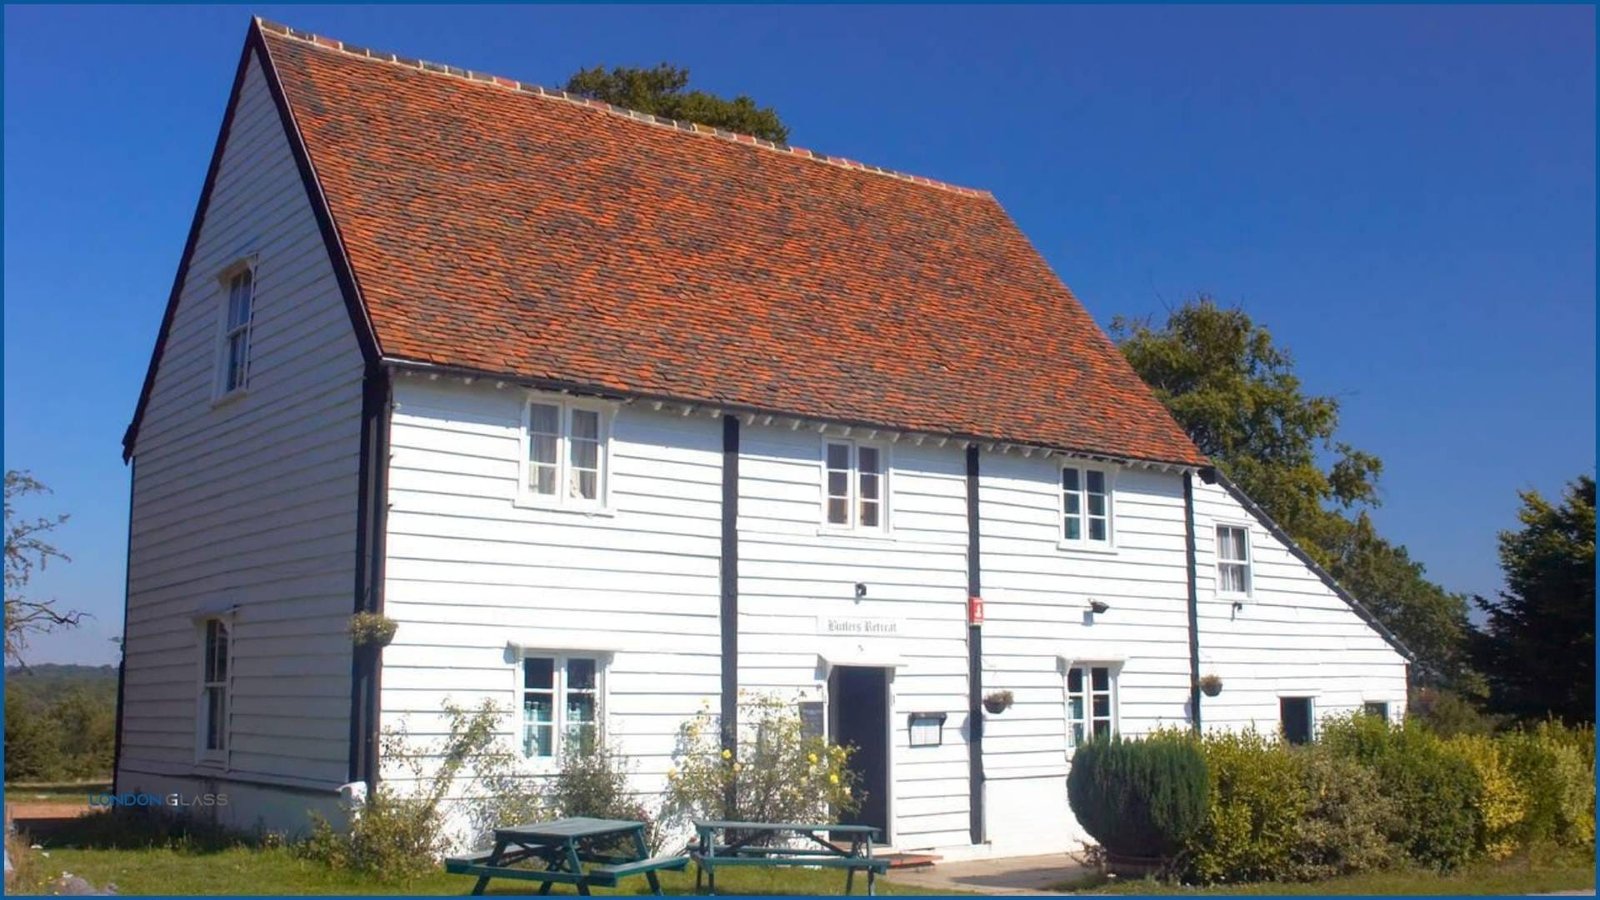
column 617, row 417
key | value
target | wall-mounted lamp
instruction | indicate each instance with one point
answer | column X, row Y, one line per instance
column 1098, row 606
column 861, row 589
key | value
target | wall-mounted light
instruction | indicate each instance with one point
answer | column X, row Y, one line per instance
column 861, row 589
column 927, row 729
column 1098, row 606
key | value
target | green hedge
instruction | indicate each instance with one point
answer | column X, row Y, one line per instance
column 1365, row 796
column 1139, row 797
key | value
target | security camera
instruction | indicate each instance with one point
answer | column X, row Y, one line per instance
column 1098, row 606
column 861, row 589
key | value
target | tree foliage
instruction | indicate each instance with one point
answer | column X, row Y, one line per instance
column 1537, row 648
column 1236, row 394
column 663, row 91
column 28, row 551
column 60, row 722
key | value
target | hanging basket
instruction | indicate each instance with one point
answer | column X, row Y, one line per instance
column 998, row 702
column 1210, row 685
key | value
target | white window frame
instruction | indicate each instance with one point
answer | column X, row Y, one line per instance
column 558, row 691
column 563, row 499
column 1114, row 693
column 852, row 501
column 1082, row 542
column 220, row 391
column 205, row 684
column 1218, row 562
column 1313, row 701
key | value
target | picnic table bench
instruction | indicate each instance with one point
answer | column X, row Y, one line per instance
column 612, row 848
column 722, row 843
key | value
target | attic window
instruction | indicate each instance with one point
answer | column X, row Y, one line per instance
column 233, row 362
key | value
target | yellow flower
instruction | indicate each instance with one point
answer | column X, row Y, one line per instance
column 736, row 768
column 833, row 778
column 811, row 758
column 727, row 754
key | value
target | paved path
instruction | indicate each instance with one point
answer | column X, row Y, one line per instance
column 1008, row 875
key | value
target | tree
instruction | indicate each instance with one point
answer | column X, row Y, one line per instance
column 1537, row 646
column 662, row 91
column 27, row 551
column 1236, row 394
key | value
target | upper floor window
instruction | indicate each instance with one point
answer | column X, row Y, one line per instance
column 212, row 723
column 561, row 705
column 234, row 361
column 854, row 483
column 1233, row 560
column 566, row 446
column 1085, row 507
column 1091, row 702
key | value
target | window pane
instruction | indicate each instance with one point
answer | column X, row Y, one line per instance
column 1069, row 480
column 586, row 485
column 838, row 484
column 1102, row 706
column 869, row 487
column 1077, row 733
column 580, row 674
column 237, row 360
column 537, row 708
column 838, row 456
column 586, row 424
column 239, row 300
column 1097, row 481
column 537, row 673
column 1073, row 528
column 216, row 718
column 1097, row 529
column 542, row 479
column 1240, row 551
column 537, row 740
column 544, row 418
column 585, row 454
column 868, row 459
column 1074, row 504
column 542, row 449
column 1097, row 504
column 581, row 738
column 838, row 511
column 1100, row 678
column 1102, row 729
column 580, row 707
column 211, row 650
column 1075, row 708
column 1381, row 710
column 1075, row 680
column 869, row 514
column 1232, row 580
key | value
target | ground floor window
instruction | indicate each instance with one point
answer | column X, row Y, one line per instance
column 216, row 658
column 561, row 704
column 1295, row 717
column 1377, row 708
column 1091, row 702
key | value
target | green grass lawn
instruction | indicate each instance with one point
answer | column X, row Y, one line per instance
column 58, row 792
column 245, row 870
column 1541, row 873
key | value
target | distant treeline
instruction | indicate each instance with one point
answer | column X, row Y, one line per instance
column 60, row 722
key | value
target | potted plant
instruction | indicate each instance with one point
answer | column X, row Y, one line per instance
column 371, row 631
column 998, row 702
column 1210, row 685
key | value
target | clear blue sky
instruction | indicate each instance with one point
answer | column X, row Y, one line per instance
column 1406, row 197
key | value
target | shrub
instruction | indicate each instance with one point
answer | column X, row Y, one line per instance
column 1434, row 791
column 778, row 774
column 1255, row 799
column 1557, row 772
column 1139, row 797
column 593, row 781
column 1502, row 803
column 1340, row 830
column 399, row 833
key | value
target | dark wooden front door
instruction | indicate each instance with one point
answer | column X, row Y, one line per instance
column 859, row 709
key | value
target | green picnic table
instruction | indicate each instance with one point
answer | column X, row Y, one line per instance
column 722, row 843
column 555, row 853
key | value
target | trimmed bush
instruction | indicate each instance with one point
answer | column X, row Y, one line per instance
column 1340, row 830
column 1435, row 792
column 1255, row 797
column 1558, row 774
column 1139, row 798
column 593, row 782
column 1502, row 802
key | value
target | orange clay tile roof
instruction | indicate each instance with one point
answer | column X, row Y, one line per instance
column 496, row 227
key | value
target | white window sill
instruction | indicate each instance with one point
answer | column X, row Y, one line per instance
column 874, row 535
column 213, row 760
column 1081, row 547
column 231, row 397
column 525, row 501
column 1233, row 598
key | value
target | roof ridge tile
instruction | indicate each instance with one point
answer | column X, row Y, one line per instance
column 323, row 42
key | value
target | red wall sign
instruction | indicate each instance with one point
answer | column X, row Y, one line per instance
column 974, row 610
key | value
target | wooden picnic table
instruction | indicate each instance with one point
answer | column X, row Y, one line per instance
column 723, row 843
column 612, row 848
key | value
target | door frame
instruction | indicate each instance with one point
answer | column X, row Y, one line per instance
column 889, row 826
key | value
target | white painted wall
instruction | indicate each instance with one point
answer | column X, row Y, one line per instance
column 1292, row 637
column 795, row 573
column 469, row 570
column 250, row 502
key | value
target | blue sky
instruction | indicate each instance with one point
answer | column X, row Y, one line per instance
column 1404, row 196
